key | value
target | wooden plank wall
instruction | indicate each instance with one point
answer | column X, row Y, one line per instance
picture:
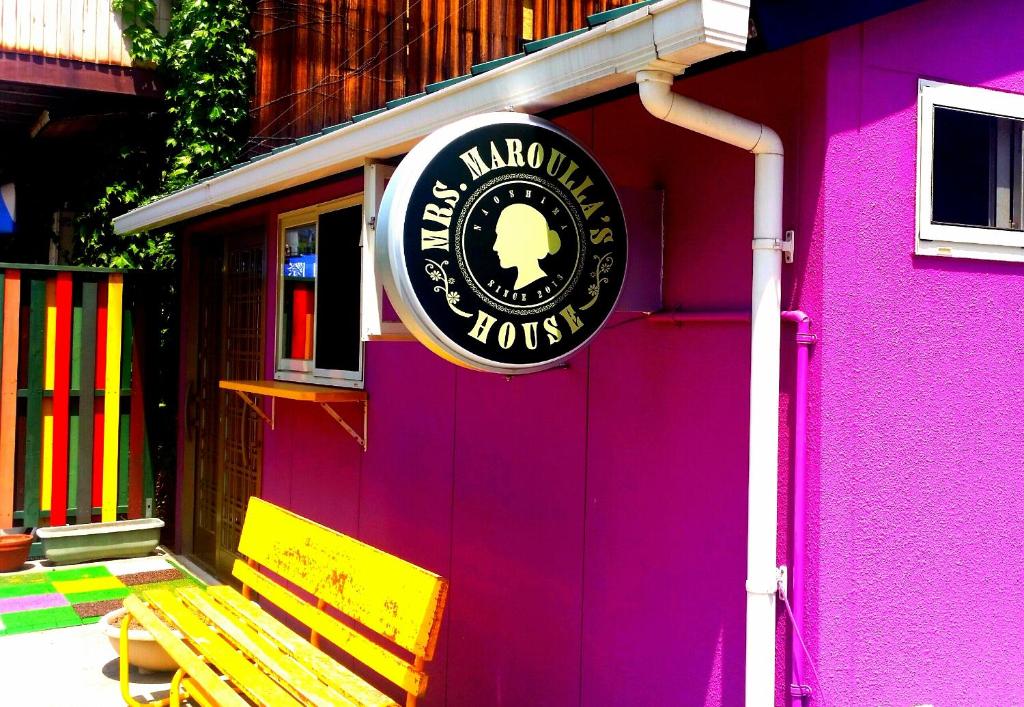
column 83, row 30
column 73, row 441
column 319, row 62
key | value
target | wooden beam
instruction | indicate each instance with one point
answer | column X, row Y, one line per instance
column 65, row 73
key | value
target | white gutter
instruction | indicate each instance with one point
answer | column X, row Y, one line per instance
column 762, row 494
column 671, row 35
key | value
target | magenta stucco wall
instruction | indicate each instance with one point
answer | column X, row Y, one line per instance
column 918, row 502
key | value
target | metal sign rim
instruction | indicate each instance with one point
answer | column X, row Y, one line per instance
column 390, row 251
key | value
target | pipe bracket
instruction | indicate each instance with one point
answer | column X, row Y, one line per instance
column 765, row 589
column 785, row 244
column 801, row 691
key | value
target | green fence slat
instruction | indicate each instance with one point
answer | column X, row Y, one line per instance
column 34, row 406
column 76, row 340
column 86, row 403
column 122, row 461
column 127, row 332
column 73, row 423
column 148, row 485
column 94, row 511
column 76, row 379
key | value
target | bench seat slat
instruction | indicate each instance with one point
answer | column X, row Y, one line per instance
column 361, row 648
column 201, row 677
column 245, row 676
column 196, row 694
column 292, row 675
column 318, row 662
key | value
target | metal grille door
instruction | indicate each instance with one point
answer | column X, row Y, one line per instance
column 241, row 430
column 202, row 405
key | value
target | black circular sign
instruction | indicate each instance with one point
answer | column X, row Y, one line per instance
column 502, row 243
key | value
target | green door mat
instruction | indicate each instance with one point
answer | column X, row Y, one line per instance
column 36, row 601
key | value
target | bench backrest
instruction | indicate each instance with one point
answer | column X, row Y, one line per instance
column 391, row 597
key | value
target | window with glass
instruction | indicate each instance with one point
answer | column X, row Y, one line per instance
column 318, row 333
column 970, row 172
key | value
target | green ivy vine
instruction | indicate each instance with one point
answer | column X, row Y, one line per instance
column 205, row 64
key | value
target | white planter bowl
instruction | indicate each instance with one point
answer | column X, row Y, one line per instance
column 143, row 650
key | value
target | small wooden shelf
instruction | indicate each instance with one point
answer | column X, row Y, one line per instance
column 319, row 394
column 296, row 391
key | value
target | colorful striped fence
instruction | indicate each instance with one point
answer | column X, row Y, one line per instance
column 73, row 441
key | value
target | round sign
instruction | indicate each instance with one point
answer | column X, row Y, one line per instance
column 501, row 243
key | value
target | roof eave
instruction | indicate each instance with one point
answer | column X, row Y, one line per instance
column 669, row 35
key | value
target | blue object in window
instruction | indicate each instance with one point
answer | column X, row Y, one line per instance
column 7, row 208
column 300, row 266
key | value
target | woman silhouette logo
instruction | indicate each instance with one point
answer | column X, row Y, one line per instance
column 523, row 240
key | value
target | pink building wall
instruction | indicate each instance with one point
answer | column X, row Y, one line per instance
column 592, row 520
column 919, row 544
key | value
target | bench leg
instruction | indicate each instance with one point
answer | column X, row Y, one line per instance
column 123, row 665
column 419, row 664
column 176, row 688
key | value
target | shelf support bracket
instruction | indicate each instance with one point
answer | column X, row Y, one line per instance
column 258, row 410
column 361, row 439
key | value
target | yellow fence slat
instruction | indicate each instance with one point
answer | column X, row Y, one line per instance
column 112, row 397
column 49, row 370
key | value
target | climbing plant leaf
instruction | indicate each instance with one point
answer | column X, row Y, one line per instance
column 205, row 63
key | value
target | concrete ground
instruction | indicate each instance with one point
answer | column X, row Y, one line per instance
column 72, row 666
column 68, row 666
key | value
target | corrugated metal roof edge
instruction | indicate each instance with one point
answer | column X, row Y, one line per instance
column 594, row 21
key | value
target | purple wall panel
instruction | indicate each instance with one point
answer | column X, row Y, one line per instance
column 322, row 462
column 406, row 490
column 517, row 537
column 665, row 545
column 406, row 498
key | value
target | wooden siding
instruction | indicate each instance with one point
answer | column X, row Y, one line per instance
column 321, row 62
column 82, row 30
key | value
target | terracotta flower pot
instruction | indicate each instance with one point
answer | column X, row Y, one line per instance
column 143, row 650
column 14, row 551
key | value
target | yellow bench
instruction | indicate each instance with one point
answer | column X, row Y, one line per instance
column 231, row 652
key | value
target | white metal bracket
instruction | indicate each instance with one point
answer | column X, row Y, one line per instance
column 788, row 241
column 753, row 587
column 271, row 419
column 361, row 439
column 257, row 409
column 785, row 245
column 782, row 579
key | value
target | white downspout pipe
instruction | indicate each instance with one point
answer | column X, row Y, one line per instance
column 762, row 500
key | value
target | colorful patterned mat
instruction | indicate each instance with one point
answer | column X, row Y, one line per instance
column 57, row 598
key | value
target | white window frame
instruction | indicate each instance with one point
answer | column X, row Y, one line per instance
column 300, row 370
column 375, row 180
column 951, row 240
